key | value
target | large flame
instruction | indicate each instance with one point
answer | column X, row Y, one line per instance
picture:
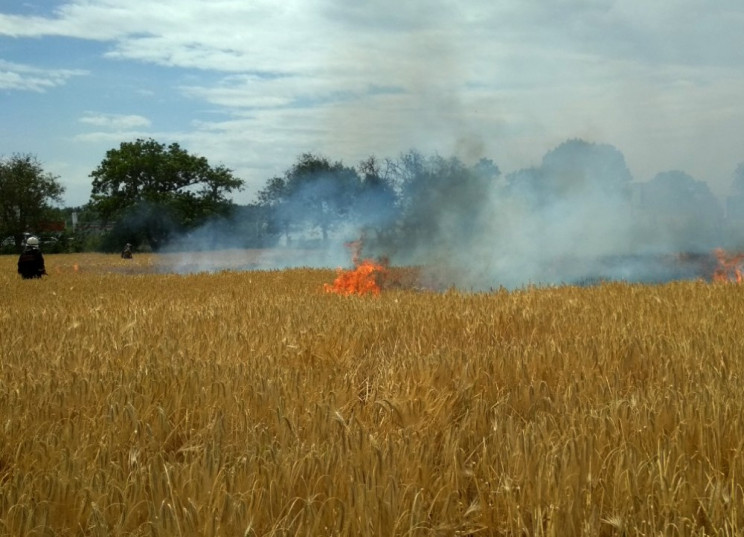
column 363, row 279
column 729, row 267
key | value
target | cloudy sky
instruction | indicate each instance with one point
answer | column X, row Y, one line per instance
column 251, row 84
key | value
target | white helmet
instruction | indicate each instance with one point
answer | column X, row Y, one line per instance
column 32, row 241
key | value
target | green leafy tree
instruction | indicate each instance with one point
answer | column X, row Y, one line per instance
column 581, row 191
column 313, row 194
column 271, row 200
column 681, row 213
column 376, row 205
column 737, row 185
column 442, row 198
column 154, row 191
column 577, row 169
column 27, row 193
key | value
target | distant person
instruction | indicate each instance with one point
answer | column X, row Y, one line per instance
column 126, row 253
column 31, row 261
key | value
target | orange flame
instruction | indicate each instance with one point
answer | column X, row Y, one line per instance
column 361, row 280
column 729, row 267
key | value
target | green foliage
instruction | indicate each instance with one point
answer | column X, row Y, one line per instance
column 686, row 216
column 393, row 203
column 437, row 192
column 577, row 168
column 154, row 191
column 376, row 205
column 572, row 174
column 26, row 195
column 314, row 194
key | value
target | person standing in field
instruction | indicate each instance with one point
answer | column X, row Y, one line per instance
column 31, row 261
column 126, row 253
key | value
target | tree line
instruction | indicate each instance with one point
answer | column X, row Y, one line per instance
column 158, row 196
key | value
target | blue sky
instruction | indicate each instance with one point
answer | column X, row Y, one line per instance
column 252, row 84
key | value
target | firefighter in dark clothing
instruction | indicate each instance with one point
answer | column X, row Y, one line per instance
column 31, row 261
column 126, row 253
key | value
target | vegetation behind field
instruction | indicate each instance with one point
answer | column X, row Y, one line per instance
column 137, row 402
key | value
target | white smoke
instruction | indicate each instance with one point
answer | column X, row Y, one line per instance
column 575, row 219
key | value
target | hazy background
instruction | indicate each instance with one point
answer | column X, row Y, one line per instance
column 252, row 84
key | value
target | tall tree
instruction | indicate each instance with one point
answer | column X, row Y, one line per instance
column 577, row 203
column 271, row 200
column 577, row 169
column 26, row 195
column 155, row 190
column 680, row 213
column 442, row 198
column 376, row 206
column 313, row 194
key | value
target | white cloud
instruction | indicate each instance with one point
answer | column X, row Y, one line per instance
column 116, row 122
column 219, row 35
column 351, row 79
column 15, row 76
column 112, row 137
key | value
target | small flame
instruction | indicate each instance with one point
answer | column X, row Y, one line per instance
column 729, row 267
column 361, row 280
column 75, row 267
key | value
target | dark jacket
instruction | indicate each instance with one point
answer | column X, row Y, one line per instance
column 31, row 264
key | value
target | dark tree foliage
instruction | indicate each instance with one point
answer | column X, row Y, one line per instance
column 576, row 174
column 682, row 212
column 578, row 169
column 376, row 206
column 272, row 199
column 393, row 204
column 26, row 196
column 527, row 185
column 313, row 194
column 581, row 190
column 154, row 191
column 441, row 198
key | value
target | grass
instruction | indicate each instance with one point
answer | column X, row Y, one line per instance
column 138, row 402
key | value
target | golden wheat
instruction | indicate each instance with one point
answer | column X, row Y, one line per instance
column 140, row 402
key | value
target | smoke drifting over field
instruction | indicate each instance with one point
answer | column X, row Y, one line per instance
column 578, row 218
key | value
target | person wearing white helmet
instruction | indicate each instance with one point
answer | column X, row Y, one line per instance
column 31, row 261
column 126, row 253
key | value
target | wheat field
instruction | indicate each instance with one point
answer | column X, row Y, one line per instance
column 138, row 402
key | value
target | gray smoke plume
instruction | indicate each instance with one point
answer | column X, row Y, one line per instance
column 577, row 218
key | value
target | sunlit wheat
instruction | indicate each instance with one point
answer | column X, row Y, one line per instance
column 134, row 401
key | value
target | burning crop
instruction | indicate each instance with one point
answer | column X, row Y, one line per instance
column 729, row 267
column 365, row 278
column 361, row 280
